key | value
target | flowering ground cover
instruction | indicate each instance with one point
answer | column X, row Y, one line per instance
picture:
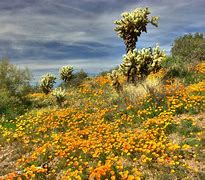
column 99, row 134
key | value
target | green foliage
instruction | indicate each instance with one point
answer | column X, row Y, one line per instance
column 171, row 128
column 189, row 48
column 14, row 87
column 76, row 79
column 11, row 106
column 191, row 142
column 188, row 127
column 132, row 24
column 80, row 75
column 177, row 68
column 138, row 64
column 13, row 79
column 46, row 83
column 66, row 73
column 193, row 77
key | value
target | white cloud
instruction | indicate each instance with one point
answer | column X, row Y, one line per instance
column 71, row 23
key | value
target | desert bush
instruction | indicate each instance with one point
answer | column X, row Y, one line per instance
column 47, row 82
column 177, row 68
column 14, row 87
column 11, row 106
column 189, row 48
column 40, row 100
column 14, row 80
column 76, row 80
column 134, row 94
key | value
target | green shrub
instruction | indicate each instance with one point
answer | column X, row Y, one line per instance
column 14, row 87
column 187, row 127
column 14, row 80
column 189, row 48
column 12, row 106
column 177, row 68
column 76, row 79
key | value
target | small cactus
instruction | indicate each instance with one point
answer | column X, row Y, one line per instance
column 59, row 94
column 114, row 76
column 46, row 83
column 66, row 73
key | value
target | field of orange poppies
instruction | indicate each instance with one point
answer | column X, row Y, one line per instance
column 100, row 134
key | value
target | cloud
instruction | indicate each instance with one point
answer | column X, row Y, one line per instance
column 92, row 66
column 42, row 32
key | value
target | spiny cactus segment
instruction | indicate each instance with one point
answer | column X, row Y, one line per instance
column 132, row 24
column 59, row 94
column 114, row 76
column 139, row 63
column 46, row 83
column 66, row 73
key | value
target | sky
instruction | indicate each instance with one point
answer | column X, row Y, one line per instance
column 45, row 35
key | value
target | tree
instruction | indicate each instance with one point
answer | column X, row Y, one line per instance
column 132, row 24
column 76, row 79
column 189, row 47
column 14, row 80
column 14, row 86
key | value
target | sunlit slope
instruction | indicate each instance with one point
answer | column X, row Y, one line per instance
column 100, row 134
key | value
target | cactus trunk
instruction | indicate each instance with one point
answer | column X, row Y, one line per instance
column 130, row 43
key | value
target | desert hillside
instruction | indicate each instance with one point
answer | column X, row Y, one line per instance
column 153, row 131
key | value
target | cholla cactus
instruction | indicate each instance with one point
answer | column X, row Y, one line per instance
column 46, row 83
column 114, row 76
column 138, row 64
column 132, row 24
column 59, row 94
column 66, row 73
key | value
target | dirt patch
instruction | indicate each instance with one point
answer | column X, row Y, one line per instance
column 8, row 158
column 198, row 118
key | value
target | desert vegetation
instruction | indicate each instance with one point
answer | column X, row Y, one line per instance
column 142, row 120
